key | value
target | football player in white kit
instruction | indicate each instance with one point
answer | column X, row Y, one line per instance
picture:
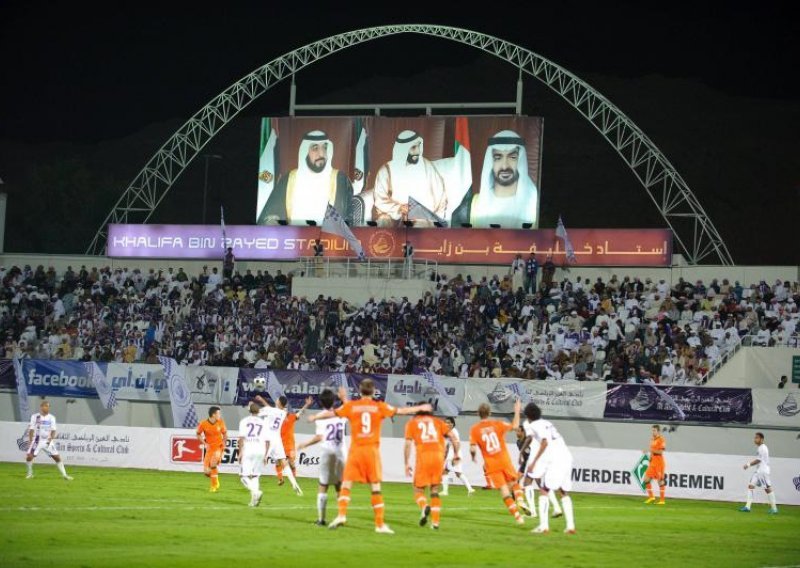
column 550, row 467
column 330, row 432
column 253, row 449
column 41, row 437
column 532, row 446
column 760, row 477
column 449, row 465
column 273, row 417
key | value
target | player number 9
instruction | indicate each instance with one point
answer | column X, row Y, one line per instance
column 366, row 423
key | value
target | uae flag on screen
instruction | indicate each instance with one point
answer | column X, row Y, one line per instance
column 457, row 171
column 268, row 161
column 361, row 159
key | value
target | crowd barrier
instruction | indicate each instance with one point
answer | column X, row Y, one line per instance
column 595, row 470
column 562, row 399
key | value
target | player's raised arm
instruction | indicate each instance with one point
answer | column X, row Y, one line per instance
column 322, row 414
column 316, row 439
column 344, row 396
column 414, row 409
column 517, row 408
column 309, row 402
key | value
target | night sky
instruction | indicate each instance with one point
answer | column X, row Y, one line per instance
column 715, row 87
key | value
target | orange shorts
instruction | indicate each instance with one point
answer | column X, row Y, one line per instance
column 363, row 465
column 655, row 470
column 428, row 469
column 213, row 453
column 502, row 477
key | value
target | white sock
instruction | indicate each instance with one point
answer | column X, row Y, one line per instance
column 245, row 482
column 749, row 498
column 60, row 466
column 287, row 471
column 569, row 516
column 554, row 502
column 255, row 484
column 30, row 467
column 544, row 508
column 530, row 497
column 322, row 504
column 772, row 502
column 445, row 482
column 466, row 482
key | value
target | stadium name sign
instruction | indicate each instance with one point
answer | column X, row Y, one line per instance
column 593, row 247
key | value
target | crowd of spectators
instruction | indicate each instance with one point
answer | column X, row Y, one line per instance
column 623, row 330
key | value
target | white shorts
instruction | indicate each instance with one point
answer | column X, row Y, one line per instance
column 40, row 444
column 252, row 463
column 451, row 467
column 276, row 451
column 331, row 468
column 541, row 465
column 558, row 474
column 760, row 479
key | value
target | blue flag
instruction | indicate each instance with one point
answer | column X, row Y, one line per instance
column 183, row 412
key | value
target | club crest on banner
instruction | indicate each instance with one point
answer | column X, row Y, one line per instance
column 381, row 243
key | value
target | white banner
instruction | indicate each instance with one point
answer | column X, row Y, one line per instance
column 579, row 399
column 715, row 477
column 410, row 390
column 212, row 385
column 776, row 407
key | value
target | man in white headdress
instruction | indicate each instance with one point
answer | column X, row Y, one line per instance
column 408, row 175
column 305, row 192
column 507, row 195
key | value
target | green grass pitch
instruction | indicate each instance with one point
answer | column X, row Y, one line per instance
column 118, row 517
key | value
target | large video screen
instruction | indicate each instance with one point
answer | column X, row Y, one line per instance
column 440, row 170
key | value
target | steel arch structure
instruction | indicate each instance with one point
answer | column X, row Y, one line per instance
column 694, row 231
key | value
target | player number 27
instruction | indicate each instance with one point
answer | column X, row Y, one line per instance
column 491, row 442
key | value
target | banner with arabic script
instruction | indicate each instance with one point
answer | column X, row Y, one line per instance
column 593, row 247
column 577, row 399
column 699, row 404
column 297, row 385
column 410, row 390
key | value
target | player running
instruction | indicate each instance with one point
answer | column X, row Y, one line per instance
column 488, row 436
column 452, row 461
column 364, row 459
column 213, row 434
column 41, row 437
column 427, row 434
column 253, row 450
column 287, row 437
column 657, row 467
column 551, row 468
column 760, row 477
column 330, row 432
column 273, row 417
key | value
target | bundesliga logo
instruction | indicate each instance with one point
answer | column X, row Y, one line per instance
column 186, row 449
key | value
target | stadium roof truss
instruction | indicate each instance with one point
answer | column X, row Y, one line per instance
column 696, row 236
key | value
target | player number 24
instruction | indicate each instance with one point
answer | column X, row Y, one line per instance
column 427, row 431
